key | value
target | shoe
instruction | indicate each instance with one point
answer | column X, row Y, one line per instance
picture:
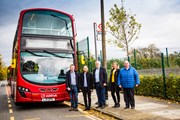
column 88, row 108
column 126, row 108
column 117, row 105
column 103, row 106
column 71, row 109
column 75, row 109
column 132, row 107
column 98, row 106
column 85, row 109
column 114, row 106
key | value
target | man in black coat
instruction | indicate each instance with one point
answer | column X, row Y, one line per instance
column 72, row 85
column 86, row 86
column 100, row 82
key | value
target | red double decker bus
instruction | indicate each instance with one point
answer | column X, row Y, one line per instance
column 43, row 48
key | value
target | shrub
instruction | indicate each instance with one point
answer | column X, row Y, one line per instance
column 154, row 86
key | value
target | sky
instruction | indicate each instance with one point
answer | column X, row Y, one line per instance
column 160, row 21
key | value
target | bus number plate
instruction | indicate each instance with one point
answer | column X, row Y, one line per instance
column 48, row 99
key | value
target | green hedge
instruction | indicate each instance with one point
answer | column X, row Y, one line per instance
column 154, row 86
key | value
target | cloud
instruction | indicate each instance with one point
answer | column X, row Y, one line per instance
column 159, row 19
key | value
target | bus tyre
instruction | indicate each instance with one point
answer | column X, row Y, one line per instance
column 61, row 102
column 17, row 104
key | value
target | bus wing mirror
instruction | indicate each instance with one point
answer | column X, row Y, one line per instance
column 13, row 63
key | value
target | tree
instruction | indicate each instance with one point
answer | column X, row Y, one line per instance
column 147, row 52
column 153, row 51
column 3, row 69
column 123, row 26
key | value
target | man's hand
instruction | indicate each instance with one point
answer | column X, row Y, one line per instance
column 120, row 86
column 137, row 85
column 68, row 89
column 104, row 84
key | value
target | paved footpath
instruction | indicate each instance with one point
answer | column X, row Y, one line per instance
column 147, row 108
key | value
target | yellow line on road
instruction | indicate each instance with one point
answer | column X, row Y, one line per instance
column 10, row 105
column 33, row 119
column 10, row 111
column 9, row 101
column 71, row 116
column 86, row 114
column 12, row 118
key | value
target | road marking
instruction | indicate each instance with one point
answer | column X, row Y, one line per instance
column 33, row 119
column 93, row 117
column 84, row 112
column 72, row 116
column 89, row 115
column 12, row 118
column 10, row 111
column 10, row 105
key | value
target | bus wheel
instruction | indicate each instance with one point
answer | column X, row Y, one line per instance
column 61, row 102
column 17, row 104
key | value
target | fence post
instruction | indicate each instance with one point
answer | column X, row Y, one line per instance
column 129, row 59
column 78, row 56
column 135, row 65
column 101, row 57
column 163, row 74
column 88, row 52
column 167, row 57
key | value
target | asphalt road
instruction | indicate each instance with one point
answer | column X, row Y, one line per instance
column 38, row 111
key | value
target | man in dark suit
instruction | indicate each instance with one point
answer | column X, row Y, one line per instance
column 86, row 86
column 72, row 83
column 100, row 82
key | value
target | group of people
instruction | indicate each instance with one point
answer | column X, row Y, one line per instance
column 124, row 79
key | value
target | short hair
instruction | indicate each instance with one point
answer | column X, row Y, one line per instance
column 126, row 61
column 85, row 66
column 97, row 61
column 71, row 65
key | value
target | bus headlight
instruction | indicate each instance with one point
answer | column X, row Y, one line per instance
column 23, row 89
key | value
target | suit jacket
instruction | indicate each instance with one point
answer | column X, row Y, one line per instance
column 68, row 79
column 89, row 81
column 102, row 76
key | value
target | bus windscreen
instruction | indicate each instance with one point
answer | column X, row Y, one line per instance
column 45, row 67
column 45, row 22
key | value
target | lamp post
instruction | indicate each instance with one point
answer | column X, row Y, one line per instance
column 95, row 39
column 103, row 35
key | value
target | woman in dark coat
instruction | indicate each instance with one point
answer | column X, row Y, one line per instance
column 113, row 86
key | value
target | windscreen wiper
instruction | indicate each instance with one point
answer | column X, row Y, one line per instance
column 61, row 19
column 55, row 54
column 33, row 53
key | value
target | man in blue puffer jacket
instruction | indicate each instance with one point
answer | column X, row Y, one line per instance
column 127, row 79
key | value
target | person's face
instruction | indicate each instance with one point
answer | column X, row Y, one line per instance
column 72, row 68
column 126, row 64
column 114, row 65
column 85, row 69
column 97, row 64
